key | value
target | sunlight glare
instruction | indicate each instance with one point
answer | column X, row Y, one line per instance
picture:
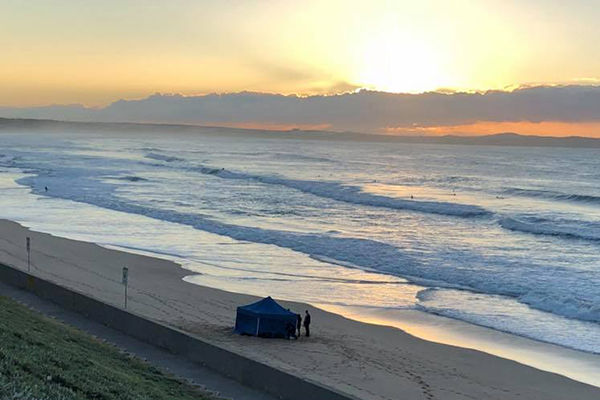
column 399, row 63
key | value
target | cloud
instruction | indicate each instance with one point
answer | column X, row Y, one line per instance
column 364, row 111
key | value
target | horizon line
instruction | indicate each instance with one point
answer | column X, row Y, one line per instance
column 292, row 130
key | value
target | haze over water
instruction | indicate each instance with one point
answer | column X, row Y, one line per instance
column 503, row 237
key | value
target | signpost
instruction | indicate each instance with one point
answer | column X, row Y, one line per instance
column 125, row 280
column 28, row 254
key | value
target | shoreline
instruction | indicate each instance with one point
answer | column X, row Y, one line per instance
column 571, row 363
column 365, row 360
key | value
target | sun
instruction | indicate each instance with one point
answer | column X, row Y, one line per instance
column 398, row 63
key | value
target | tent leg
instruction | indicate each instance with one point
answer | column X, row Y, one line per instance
column 257, row 325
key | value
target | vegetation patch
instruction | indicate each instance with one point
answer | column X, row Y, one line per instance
column 44, row 359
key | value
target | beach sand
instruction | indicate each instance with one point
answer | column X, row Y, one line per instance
column 367, row 361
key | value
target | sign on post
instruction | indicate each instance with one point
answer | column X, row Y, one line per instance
column 125, row 281
column 125, row 275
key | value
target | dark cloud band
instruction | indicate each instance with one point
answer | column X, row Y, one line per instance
column 366, row 111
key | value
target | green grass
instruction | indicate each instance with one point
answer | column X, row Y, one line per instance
column 41, row 358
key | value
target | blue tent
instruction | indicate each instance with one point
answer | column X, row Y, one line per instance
column 264, row 318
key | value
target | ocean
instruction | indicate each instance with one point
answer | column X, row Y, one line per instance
column 502, row 237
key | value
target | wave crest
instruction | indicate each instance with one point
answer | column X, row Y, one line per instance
column 553, row 195
column 561, row 228
column 348, row 194
column 570, row 307
column 162, row 157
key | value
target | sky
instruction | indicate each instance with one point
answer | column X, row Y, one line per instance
column 94, row 53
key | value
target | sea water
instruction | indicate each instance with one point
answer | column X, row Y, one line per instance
column 503, row 237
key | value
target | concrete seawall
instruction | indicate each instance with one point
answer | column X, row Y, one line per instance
column 249, row 372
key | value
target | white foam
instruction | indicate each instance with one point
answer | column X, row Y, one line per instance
column 345, row 193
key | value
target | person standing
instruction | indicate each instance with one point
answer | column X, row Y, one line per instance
column 307, row 323
column 298, row 323
column 290, row 331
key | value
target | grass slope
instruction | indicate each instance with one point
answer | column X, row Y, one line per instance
column 41, row 358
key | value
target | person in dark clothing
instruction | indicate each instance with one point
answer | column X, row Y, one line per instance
column 298, row 323
column 307, row 323
column 291, row 331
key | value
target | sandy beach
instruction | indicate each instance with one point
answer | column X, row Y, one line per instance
column 367, row 361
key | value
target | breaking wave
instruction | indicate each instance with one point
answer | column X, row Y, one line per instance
column 161, row 157
column 301, row 157
column 348, row 194
column 570, row 307
column 348, row 250
column 567, row 229
column 553, row 195
column 132, row 178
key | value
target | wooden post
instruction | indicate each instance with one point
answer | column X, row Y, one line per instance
column 28, row 254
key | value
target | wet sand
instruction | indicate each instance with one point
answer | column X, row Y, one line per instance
column 575, row 364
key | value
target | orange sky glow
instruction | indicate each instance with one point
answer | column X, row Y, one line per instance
column 546, row 128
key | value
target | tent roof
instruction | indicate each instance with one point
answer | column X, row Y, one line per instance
column 266, row 306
